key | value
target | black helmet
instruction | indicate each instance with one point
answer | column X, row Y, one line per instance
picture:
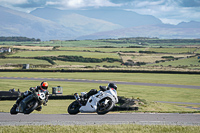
column 112, row 85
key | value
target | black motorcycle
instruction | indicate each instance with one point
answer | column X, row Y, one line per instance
column 32, row 102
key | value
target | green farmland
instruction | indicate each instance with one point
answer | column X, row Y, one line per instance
column 121, row 54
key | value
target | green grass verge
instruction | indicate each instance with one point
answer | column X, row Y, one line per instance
column 123, row 128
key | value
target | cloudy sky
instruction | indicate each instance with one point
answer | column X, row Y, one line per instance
column 168, row 11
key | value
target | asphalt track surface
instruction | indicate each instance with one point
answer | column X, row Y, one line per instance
column 94, row 119
column 103, row 81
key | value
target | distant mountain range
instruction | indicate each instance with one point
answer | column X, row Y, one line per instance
column 190, row 30
column 50, row 23
column 15, row 23
column 112, row 15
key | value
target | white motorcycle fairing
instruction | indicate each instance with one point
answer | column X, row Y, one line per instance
column 91, row 105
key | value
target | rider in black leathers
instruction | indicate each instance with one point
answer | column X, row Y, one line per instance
column 43, row 87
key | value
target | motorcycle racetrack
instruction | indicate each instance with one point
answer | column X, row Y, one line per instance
column 94, row 119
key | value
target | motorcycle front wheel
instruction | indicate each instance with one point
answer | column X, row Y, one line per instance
column 13, row 110
column 30, row 106
column 73, row 108
column 105, row 106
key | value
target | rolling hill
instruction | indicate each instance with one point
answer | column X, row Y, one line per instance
column 15, row 23
column 190, row 30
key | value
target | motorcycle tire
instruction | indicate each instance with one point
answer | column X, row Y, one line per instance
column 73, row 108
column 13, row 110
column 102, row 108
column 33, row 105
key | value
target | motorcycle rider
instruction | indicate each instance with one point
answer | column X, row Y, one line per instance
column 43, row 87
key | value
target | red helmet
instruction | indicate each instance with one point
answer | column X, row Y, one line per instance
column 44, row 85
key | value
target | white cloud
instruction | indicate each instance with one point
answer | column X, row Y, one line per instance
column 147, row 3
column 80, row 3
column 168, row 11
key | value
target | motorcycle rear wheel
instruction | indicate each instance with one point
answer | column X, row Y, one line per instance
column 105, row 108
column 73, row 108
column 30, row 106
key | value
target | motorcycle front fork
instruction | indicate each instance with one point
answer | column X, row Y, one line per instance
column 77, row 98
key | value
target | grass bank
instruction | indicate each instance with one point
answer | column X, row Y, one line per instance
column 129, row 128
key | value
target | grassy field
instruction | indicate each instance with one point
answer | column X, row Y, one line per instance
column 93, row 49
column 187, row 62
column 111, row 42
column 65, row 64
column 68, row 53
column 124, row 128
column 173, row 50
column 152, row 58
column 23, row 61
column 102, row 49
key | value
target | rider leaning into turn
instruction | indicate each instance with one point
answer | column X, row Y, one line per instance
column 43, row 87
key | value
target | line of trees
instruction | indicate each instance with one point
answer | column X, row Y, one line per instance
column 19, row 39
column 77, row 59
column 82, row 59
column 145, row 41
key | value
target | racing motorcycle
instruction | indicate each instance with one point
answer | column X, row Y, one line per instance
column 101, row 102
column 32, row 102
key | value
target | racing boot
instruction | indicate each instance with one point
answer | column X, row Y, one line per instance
column 39, row 108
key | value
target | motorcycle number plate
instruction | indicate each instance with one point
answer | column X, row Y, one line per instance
column 42, row 96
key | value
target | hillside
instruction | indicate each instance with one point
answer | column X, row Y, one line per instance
column 113, row 15
column 164, row 31
column 14, row 23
